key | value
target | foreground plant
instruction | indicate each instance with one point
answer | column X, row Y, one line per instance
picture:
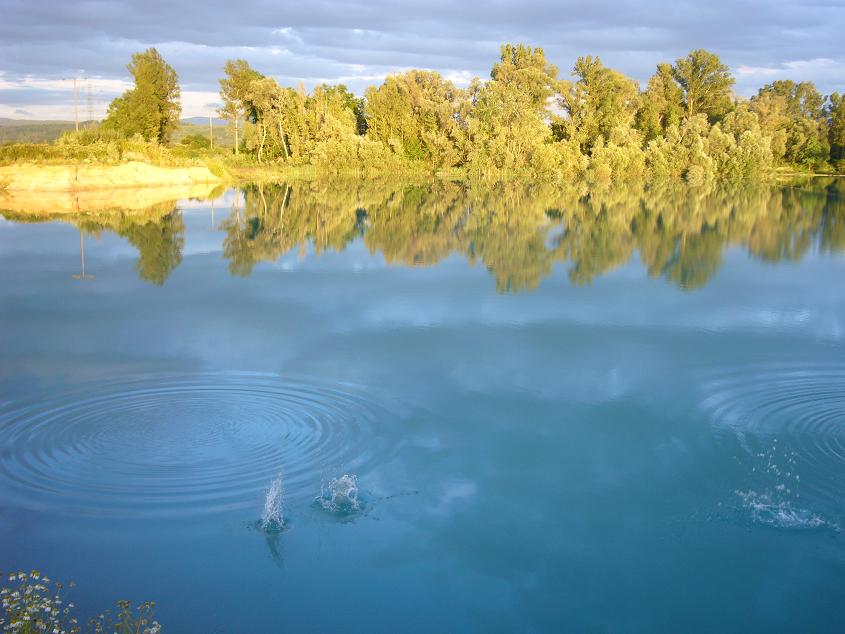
column 127, row 620
column 33, row 603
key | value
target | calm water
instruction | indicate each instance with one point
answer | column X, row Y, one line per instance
column 606, row 411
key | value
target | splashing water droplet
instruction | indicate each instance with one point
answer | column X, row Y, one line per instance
column 775, row 502
column 766, row 509
column 272, row 519
column 340, row 495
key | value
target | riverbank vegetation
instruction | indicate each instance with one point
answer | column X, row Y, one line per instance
column 525, row 121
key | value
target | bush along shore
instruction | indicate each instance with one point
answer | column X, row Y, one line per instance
column 525, row 121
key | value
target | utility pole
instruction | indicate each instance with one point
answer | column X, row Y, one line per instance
column 210, row 131
column 90, row 96
column 75, row 106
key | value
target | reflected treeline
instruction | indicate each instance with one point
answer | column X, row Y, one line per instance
column 518, row 232
column 157, row 232
column 159, row 245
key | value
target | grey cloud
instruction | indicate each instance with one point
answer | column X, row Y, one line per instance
column 23, row 97
column 329, row 39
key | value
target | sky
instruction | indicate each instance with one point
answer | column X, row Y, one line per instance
column 44, row 44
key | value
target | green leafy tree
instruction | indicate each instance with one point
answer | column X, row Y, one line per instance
column 706, row 84
column 348, row 101
column 152, row 107
column 235, row 95
column 267, row 99
column 332, row 112
column 422, row 114
column 510, row 121
column 600, row 101
column 836, row 125
column 662, row 104
column 286, row 124
column 793, row 115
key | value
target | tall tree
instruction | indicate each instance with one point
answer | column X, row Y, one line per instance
column 266, row 97
column 152, row 107
column 421, row 112
column 706, row 83
column 234, row 93
column 661, row 104
column 348, row 100
column 836, row 126
column 793, row 114
column 801, row 99
column 511, row 115
column 600, row 100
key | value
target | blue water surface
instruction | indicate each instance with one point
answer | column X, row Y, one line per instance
column 583, row 411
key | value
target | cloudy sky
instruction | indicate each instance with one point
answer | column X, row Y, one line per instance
column 44, row 43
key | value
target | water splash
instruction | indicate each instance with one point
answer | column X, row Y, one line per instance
column 766, row 508
column 777, row 504
column 340, row 495
column 785, row 417
column 273, row 519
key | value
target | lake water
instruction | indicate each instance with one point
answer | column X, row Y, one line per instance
column 606, row 410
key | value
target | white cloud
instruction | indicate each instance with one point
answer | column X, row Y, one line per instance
column 102, row 84
column 827, row 73
column 459, row 77
column 198, row 103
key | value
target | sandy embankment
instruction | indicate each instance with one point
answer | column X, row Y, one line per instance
column 83, row 188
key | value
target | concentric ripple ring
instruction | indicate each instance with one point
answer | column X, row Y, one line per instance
column 174, row 446
column 802, row 405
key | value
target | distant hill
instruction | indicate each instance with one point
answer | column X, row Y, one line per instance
column 28, row 131
column 204, row 121
column 6, row 122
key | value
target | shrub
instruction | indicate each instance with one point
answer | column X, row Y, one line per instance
column 196, row 141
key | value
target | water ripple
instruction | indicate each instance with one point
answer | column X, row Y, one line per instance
column 801, row 406
column 175, row 446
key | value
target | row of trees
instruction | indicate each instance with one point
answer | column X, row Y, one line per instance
column 687, row 123
column 525, row 119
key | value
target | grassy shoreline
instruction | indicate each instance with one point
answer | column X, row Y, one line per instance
column 123, row 164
